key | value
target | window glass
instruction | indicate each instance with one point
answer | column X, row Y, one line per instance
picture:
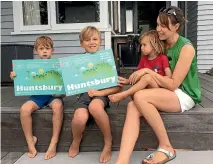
column 77, row 12
column 34, row 13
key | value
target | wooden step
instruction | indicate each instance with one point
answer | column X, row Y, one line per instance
column 190, row 130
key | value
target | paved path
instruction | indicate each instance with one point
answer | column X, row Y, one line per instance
column 183, row 157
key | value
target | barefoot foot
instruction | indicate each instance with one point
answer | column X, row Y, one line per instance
column 51, row 152
column 74, row 148
column 31, row 146
column 117, row 97
column 106, row 153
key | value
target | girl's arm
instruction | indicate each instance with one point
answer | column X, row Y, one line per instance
column 181, row 69
column 168, row 72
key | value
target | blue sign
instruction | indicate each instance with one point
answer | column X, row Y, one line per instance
column 37, row 77
column 90, row 70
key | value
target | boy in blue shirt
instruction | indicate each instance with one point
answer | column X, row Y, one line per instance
column 43, row 47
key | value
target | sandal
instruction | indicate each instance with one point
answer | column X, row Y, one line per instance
column 170, row 156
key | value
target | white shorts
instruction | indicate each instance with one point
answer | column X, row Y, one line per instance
column 186, row 102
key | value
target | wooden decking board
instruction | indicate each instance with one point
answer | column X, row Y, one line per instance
column 206, row 77
column 206, row 82
column 206, row 86
column 94, row 140
column 199, row 106
column 188, row 124
column 112, row 110
column 209, row 83
column 207, row 94
column 206, row 103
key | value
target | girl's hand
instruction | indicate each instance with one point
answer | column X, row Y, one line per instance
column 93, row 93
column 122, row 81
column 12, row 75
column 135, row 76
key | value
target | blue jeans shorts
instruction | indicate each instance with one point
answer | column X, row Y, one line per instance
column 43, row 100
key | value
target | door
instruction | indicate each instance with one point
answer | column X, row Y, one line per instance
column 137, row 17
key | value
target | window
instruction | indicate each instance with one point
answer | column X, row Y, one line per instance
column 113, row 11
column 77, row 12
column 34, row 13
column 56, row 16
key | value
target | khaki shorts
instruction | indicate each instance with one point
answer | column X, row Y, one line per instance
column 186, row 102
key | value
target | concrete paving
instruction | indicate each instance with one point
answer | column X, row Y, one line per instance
column 183, row 157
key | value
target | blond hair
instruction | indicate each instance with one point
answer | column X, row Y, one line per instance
column 88, row 32
column 44, row 41
column 154, row 40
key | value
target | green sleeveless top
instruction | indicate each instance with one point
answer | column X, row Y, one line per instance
column 191, row 83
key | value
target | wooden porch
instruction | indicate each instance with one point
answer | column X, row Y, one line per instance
column 190, row 130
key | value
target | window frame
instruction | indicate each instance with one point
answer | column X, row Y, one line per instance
column 52, row 26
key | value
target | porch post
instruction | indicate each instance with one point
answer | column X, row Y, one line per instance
column 107, row 40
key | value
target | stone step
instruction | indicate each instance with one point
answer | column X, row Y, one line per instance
column 183, row 157
column 190, row 130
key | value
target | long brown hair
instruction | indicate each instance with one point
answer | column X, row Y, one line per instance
column 177, row 17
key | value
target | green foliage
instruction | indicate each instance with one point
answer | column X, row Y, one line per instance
column 98, row 70
column 48, row 76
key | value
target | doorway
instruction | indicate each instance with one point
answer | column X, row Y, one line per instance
column 136, row 17
column 139, row 16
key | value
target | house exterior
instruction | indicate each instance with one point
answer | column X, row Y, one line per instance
column 22, row 22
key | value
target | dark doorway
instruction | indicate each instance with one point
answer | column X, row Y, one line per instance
column 147, row 14
column 137, row 17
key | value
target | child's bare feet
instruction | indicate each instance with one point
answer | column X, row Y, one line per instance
column 32, row 150
column 74, row 148
column 106, row 153
column 51, row 152
column 117, row 97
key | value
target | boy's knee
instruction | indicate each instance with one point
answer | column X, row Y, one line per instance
column 26, row 110
column 57, row 108
column 94, row 108
column 80, row 116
